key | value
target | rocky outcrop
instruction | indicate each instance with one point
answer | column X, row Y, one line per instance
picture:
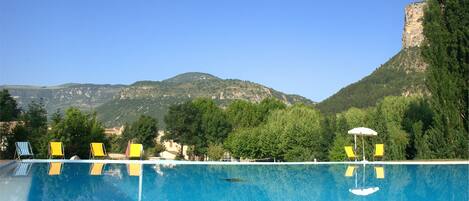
column 413, row 25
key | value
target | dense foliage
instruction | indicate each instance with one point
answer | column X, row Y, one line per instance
column 292, row 134
column 9, row 110
column 446, row 30
column 77, row 130
column 198, row 124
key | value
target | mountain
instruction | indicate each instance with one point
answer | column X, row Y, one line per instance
column 119, row 104
column 404, row 74
column 154, row 97
column 83, row 96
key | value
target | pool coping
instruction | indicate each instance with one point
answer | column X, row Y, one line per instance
column 176, row 162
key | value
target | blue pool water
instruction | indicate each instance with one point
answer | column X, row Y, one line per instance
column 83, row 181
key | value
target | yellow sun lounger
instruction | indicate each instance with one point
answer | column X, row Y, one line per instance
column 379, row 151
column 350, row 153
column 134, row 169
column 379, row 172
column 56, row 149
column 97, row 169
column 97, row 149
column 135, row 151
column 350, row 170
column 55, row 168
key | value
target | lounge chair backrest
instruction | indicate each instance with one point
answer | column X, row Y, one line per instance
column 379, row 172
column 349, row 152
column 379, row 151
column 135, row 150
column 350, row 170
column 56, row 149
column 97, row 149
column 23, row 149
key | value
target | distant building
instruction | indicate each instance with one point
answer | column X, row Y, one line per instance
column 114, row 131
column 172, row 148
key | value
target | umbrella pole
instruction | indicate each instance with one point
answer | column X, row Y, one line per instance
column 363, row 146
column 355, row 141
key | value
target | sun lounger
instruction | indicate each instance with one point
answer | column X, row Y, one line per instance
column 56, row 149
column 379, row 151
column 350, row 153
column 134, row 151
column 97, row 149
column 23, row 149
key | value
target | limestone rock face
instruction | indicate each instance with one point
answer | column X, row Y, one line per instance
column 413, row 25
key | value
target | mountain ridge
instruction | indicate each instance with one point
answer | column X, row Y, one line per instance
column 119, row 104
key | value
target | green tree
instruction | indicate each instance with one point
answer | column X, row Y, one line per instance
column 299, row 130
column 421, row 144
column 35, row 119
column 214, row 125
column 243, row 114
column 446, row 51
column 10, row 131
column 328, row 128
column 336, row 151
column 388, row 118
column 215, row 152
column 9, row 110
column 183, row 124
column 143, row 131
column 244, row 143
column 418, row 119
column 77, row 130
column 268, row 105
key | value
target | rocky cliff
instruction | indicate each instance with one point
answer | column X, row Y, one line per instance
column 412, row 35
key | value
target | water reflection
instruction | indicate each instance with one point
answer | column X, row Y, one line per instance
column 379, row 172
column 96, row 169
column 55, row 168
column 22, row 169
column 258, row 182
column 134, row 169
column 361, row 188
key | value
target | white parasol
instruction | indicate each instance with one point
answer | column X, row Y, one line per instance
column 362, row 131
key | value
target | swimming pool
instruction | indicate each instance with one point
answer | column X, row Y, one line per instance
column 135, row 181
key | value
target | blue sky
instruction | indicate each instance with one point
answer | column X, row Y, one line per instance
column 310, row 48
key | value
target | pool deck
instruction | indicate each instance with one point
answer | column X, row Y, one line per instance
column 176, row 162
column 5, row 162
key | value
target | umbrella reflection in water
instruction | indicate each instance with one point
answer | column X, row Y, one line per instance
column 363, row 190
